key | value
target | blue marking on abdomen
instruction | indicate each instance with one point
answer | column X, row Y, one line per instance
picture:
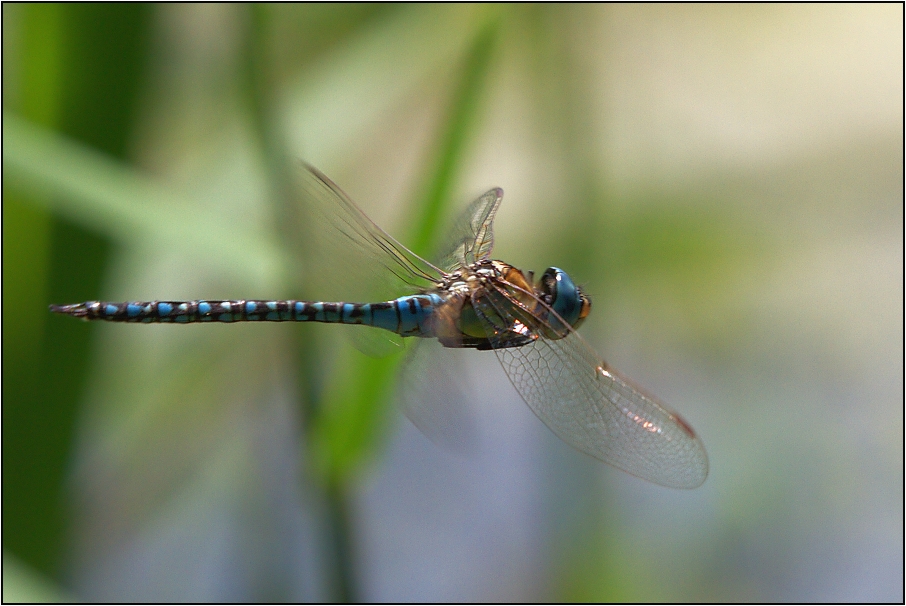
column 346, row 312
column 385, row 315
column 411, row 315
column 319, row 312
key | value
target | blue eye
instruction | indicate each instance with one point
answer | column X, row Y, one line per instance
column 567, row 299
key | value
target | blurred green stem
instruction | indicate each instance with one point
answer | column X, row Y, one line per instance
column 81, row 69
column 346, row 432
column 458, row 127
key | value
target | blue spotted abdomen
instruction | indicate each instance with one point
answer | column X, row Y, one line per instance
column 406, row 316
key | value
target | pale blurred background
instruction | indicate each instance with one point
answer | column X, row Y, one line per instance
column 726, row 181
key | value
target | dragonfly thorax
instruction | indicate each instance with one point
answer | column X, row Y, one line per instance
column 468, row 280
column 507, row 299
column 555, row 290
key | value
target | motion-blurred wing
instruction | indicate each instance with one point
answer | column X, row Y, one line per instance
column 377, row 260
column 342, row 255
column 432, row 394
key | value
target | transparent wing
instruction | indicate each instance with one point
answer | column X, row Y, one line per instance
column 472, row 235
column 345, row 256
column 598, row 411
column 379, row 265
column 431, row 393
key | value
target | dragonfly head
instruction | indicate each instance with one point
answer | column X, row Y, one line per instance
column 561, row 293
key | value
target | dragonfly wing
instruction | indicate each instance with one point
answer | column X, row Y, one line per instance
column 472, row 234
column 596, row 410
column 430, row 396
column 344, row 256
column 375, row 266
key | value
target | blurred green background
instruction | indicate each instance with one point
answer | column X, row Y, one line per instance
column 726, row 181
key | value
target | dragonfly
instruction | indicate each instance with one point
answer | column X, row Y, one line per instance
column 468, row 300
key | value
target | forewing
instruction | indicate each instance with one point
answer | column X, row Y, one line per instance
column 472, row 234
column 598, row 411
column 345, row 256
column 359, row 258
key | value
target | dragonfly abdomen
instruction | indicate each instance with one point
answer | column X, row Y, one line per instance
column 407, row 316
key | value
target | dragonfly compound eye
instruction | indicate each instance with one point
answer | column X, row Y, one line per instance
column 561, row 293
